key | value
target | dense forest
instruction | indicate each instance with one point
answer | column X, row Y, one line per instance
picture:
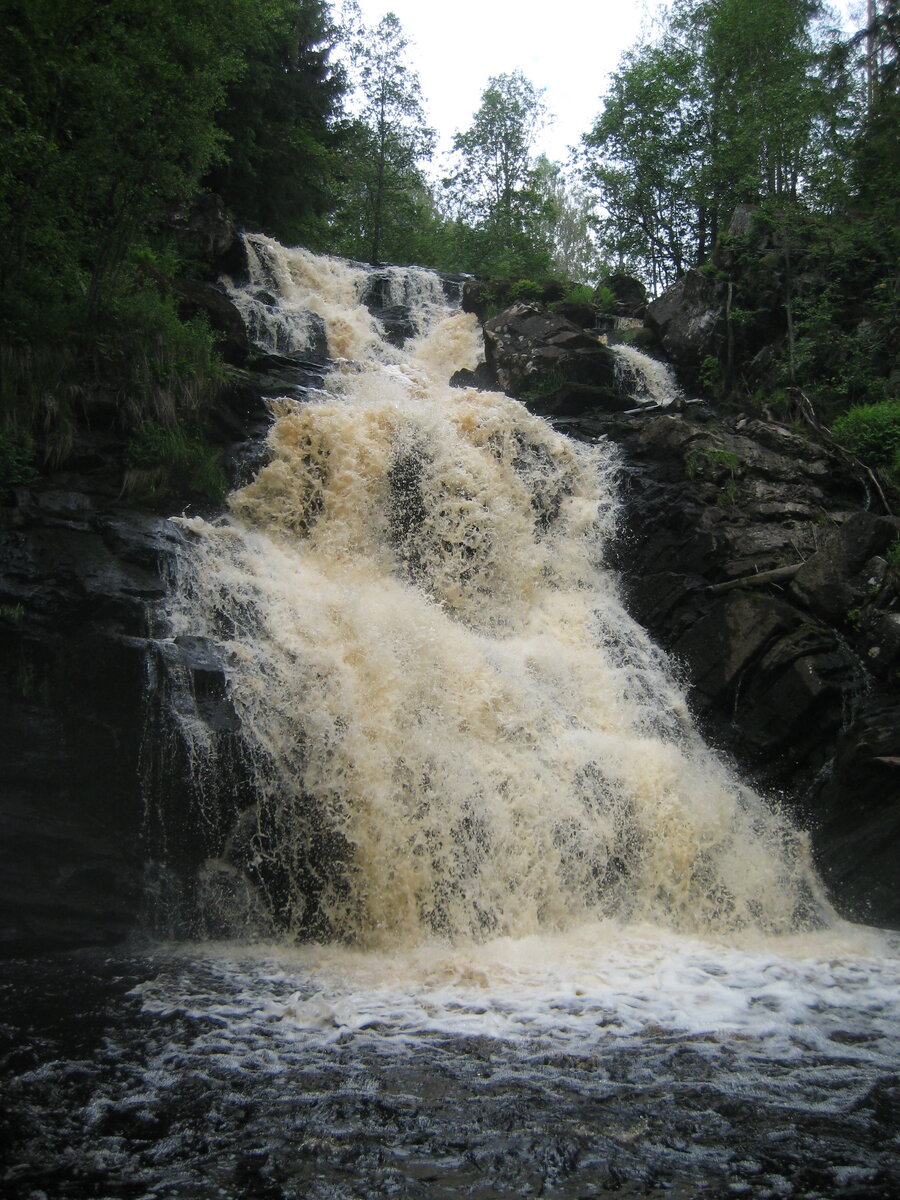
column 117, row 118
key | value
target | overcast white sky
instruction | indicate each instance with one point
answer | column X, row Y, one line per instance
column 567, row 47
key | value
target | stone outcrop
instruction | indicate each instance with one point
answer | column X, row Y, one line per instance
column 630, row 294
column 688, row 320
column 92, row 679
column 750, row 558
column 194, row 297
column 557, row 366
column 79, row 578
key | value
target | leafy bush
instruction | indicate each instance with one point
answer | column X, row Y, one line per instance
column 605, row 298
column 164, row 460
column 871, row 431
column 16, row 460
column 709, row 462
column 161, row 365
column 525, row 289
column 579, row 293
column 711, row 375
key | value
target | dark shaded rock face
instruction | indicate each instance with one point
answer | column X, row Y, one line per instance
column 530, row 351
column 77, row 583
column 197, row 297
column 687, row 319
column 85, row 704
column 630, row 294
column 211, row 236
column 748, row 556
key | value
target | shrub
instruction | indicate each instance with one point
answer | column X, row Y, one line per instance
column 525, row 289
column 871, row 431
column 164, row 460
column 579, row 293
column 162, row 366
column 605, row 298
column 708, row 462
column 16, row 460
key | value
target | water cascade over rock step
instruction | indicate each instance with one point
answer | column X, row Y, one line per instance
column 570, row 360
column 448, row 724
column 707, row 502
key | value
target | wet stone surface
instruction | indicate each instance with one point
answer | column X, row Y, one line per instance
column 163, row 1076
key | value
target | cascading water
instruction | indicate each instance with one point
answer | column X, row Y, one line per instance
column 541, row 941
column 456, row 729
column 647, row 379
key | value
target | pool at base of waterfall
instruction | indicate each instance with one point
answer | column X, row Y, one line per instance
column 608, row 1060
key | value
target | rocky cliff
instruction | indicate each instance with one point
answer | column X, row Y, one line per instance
column 767, row 562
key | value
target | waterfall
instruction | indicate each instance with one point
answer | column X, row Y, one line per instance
column 647, row 379
column 454, row 728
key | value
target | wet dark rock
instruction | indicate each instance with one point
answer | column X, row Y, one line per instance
column 834, row 580
column 749, row 557
column 687, row 320
column 630, row 294
column 582, row 315
column 858, row 804
column 481, row 378
column 576, row 399
column 196, row 297
column 533, row 351
column 78, row 586
column 82, row 577
column 210, row 235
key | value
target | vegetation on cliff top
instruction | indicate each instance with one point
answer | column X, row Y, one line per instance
column 114, row 117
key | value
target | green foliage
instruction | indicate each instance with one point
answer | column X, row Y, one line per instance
column 644, row 161
column 710, row 377
column 497, row 195
column 524, row 289
column 892, row 555
column 579, row 293
column 282, row 156
column 177, row 459
column 728, row 494
column 871, row 431
column 385, row 201
column 714, row 463
column 114, row 109
column 16, row 460
column 151, row 358
column 725, row 106
column 606, row 299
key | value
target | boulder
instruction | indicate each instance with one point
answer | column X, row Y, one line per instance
column 211, row 236
column 833, row 581
column 481, row 378
column 630, row 294
column 194, row 297
column 485, row 297
column 529, row 350
column 856, row 810
column 687, row 319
